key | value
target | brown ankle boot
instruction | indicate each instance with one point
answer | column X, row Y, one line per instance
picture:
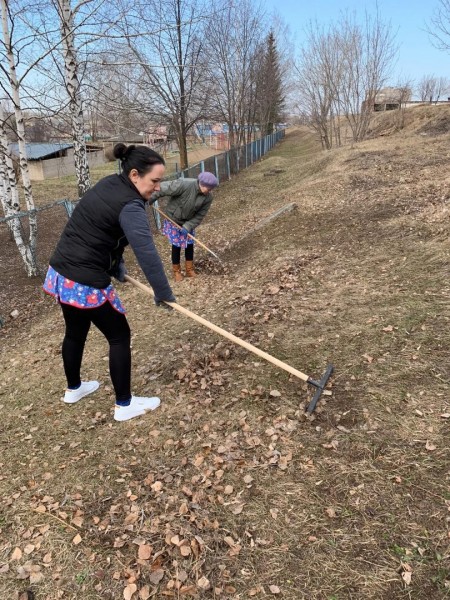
column 190, row 269
column 178, row 275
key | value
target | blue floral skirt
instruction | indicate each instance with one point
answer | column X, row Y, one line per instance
column 176, row 236
column 70, row 292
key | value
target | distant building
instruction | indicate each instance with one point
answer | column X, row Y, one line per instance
column 47, row 160
column 155, row 135
column 391, row 98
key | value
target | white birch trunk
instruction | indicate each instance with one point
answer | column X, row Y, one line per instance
column 10, row 200
column 20, row 130
column 66, row 16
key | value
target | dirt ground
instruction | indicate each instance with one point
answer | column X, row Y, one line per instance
column 228, row 490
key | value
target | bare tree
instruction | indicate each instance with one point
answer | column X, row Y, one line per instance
column 162, row 45
column 404, row 89
column 341, row 70
column 439, row 26
column 430, row 88
column 234, row 39
column 320, row 76
column 367, row 54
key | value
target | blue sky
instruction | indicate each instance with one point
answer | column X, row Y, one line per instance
column 417, row 56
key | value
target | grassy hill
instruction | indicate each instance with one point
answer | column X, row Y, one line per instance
column 229, row 491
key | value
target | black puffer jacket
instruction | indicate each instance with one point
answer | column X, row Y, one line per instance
column 108, row 217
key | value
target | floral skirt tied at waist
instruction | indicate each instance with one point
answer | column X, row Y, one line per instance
column 76, row 294
column 176, row 236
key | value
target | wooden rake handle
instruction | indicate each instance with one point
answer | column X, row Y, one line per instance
column 189, row 235
column 226, row 334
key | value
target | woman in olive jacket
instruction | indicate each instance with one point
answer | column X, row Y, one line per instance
column 189, row 201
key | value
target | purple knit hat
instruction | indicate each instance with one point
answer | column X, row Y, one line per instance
column 208, row 180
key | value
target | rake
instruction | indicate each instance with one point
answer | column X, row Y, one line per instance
column 189, row 235
column 318, row 385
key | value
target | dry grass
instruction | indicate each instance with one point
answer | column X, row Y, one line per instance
column 348, row 505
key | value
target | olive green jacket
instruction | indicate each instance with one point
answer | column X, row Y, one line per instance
column 187, row 206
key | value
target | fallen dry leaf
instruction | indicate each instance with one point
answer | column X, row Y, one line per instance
column 144, row 551
column 156, row 576
column 129, row 591
column 274, row 589
column 236, row 509
column 429, row 446
column 17, row 554
column 77, row 539
column 275, row 393
column 144, row 593
column 36, row 577
column 203, row 583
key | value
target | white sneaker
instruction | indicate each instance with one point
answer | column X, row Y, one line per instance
column 137, row 407
column 86, row 387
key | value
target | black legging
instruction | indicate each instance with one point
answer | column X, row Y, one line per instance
column 115, row 328
column 176, row 254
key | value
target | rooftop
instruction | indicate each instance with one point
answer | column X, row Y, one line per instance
column 38, row 150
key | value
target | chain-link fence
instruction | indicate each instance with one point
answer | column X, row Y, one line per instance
column 231, row 162
column 17, row 289
column 228, row 163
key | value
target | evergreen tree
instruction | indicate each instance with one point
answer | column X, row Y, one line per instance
column 269, row 88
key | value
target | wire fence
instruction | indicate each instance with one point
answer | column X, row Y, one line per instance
column 51, row 218
column 229, row 163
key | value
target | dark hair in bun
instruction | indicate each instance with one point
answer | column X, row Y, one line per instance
column 140, row 158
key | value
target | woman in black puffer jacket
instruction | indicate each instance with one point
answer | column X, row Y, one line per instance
column 108, row 217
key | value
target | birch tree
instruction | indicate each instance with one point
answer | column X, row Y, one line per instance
column 71, row 69
column 14, row 83
column 10, row 201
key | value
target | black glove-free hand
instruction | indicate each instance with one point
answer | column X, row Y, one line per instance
column 119, row 271
column 162, row 303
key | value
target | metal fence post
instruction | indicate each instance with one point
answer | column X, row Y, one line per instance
column 156, row 214
column 69, row 206
column 202, row 166
column 216, row 168
column 228, row 164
